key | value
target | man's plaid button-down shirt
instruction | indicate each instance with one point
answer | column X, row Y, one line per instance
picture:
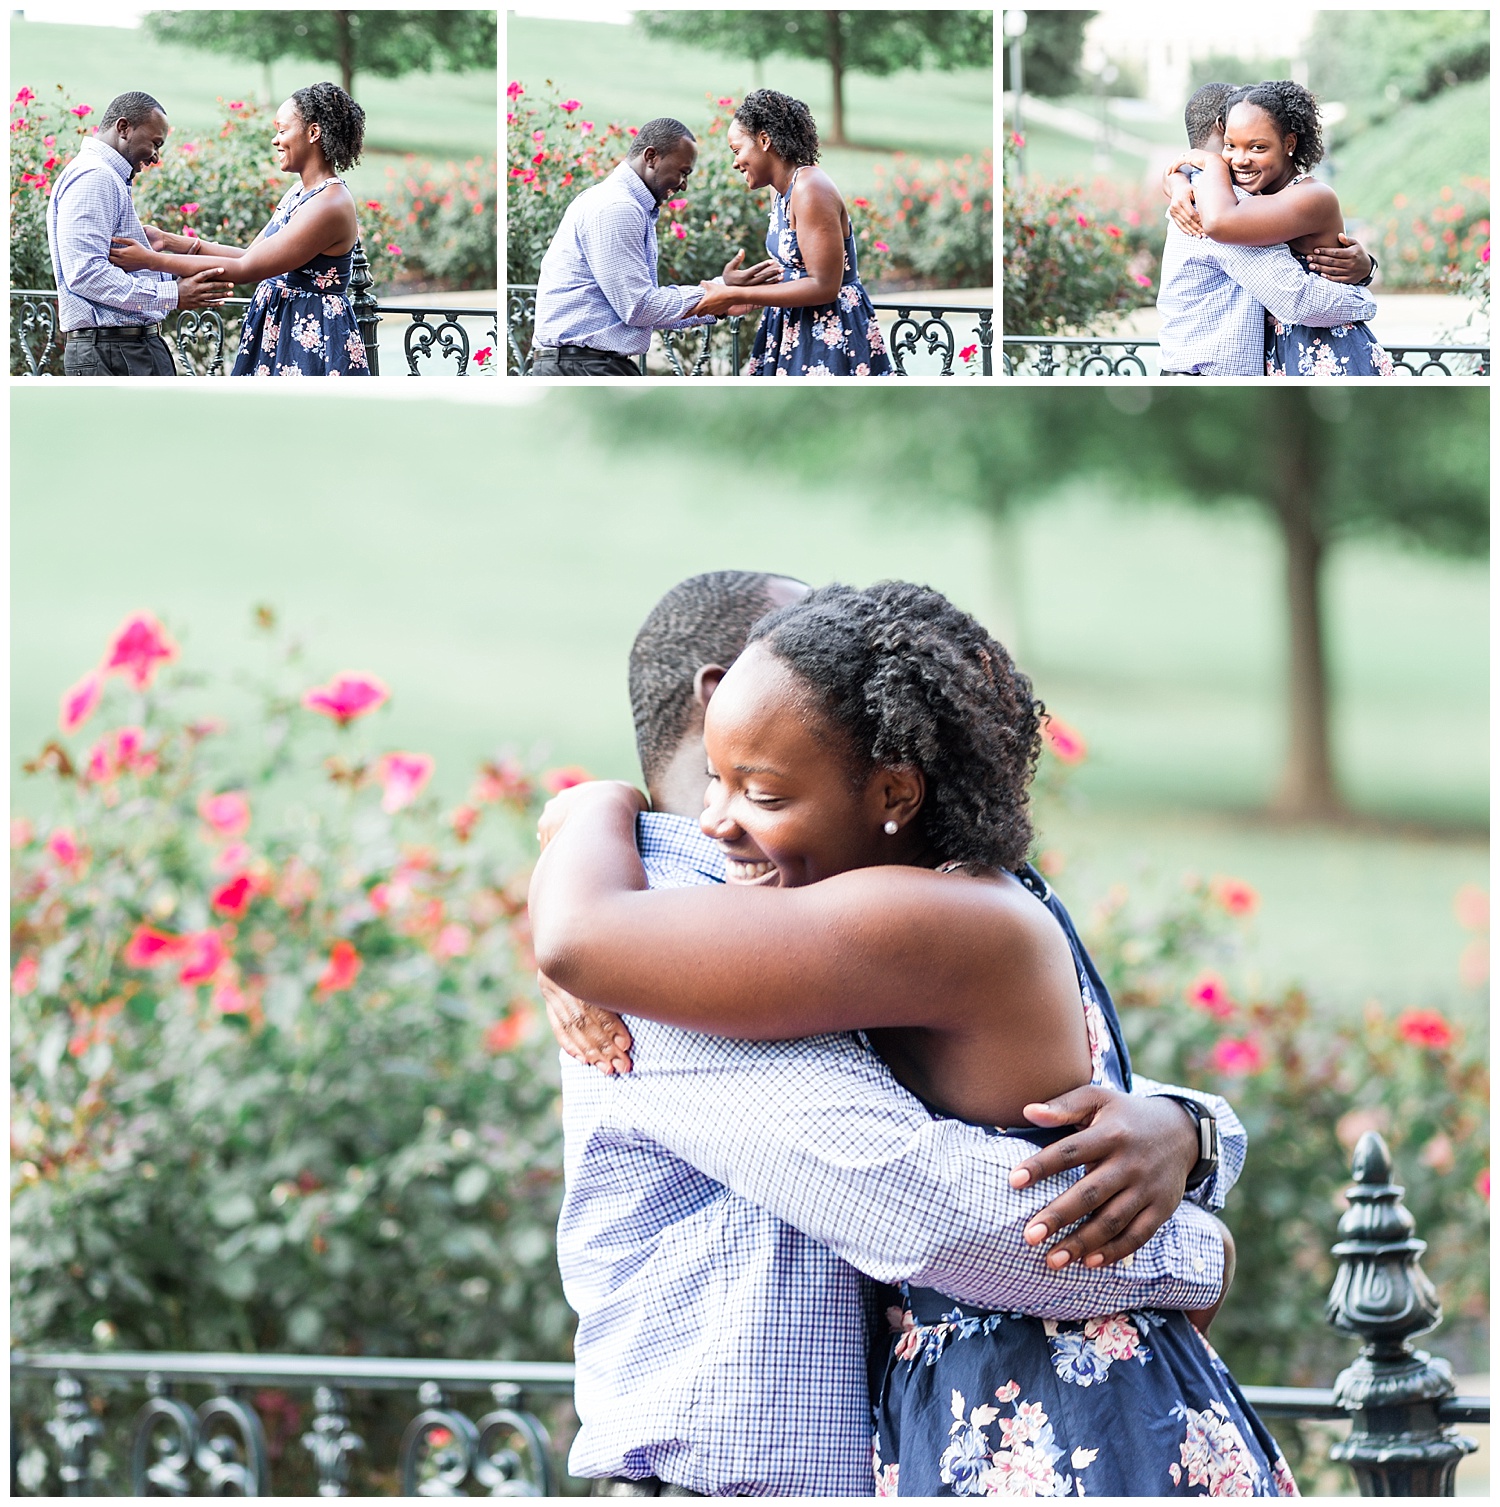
column 90, row 205
column 719, row 1200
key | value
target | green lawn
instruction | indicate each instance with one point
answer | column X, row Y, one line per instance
column 492, row 563
column 437, row 116
column 621, row 74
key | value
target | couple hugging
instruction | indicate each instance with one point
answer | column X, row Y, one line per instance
column 117, row 280
column 597, row 298
column 811, row 1182
column 1258, row 277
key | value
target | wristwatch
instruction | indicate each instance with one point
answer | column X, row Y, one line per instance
column 1208, row 1141
column 1364, row 282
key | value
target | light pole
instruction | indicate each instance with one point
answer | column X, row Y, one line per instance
column 1015, row 29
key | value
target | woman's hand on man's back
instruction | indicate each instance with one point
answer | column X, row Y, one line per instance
column 1138, row 1152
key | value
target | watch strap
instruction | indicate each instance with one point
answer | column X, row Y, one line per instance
column 1208, row 1141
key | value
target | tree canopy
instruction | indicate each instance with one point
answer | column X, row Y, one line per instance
column 850, row 41
column 387, row 43
column 1051, row 52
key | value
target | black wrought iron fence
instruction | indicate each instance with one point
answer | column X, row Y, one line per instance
column 438, row 339
column 1400, row 1403
column 1090, row 356
column 924, row 339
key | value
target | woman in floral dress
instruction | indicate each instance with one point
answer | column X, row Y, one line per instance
column 1272, row 141
column 818, row 319
column 870, row 755
column 300, row 322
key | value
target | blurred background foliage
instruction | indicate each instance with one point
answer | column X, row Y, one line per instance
column 1142, row 589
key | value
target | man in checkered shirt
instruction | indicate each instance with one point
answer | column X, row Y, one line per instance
column 110, row 317
column 721, row 1194
column 1214, row 297
column 597, row 299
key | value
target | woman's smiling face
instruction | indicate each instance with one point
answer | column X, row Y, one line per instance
column 753, row 158
column 782, row 799
column 1258, row 152
column 291, row 143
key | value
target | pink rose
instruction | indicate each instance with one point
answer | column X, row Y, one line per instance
column 204, row 954
column 568, row 106
column 150, row 948
column 342, row 970
column 81, row 110
column 1209, row 993
column 1064, row 742
column 79, row 701
column 1424, row 1028
column 23, row 980
column 402, row 777
column 227, row 813
column 564, row 778
column 1237, row 897
column 515, row 91
column 1237, row 1057
column 346, row 697
column 138, row 648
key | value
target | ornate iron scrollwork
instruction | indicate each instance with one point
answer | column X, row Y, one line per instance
column 190, row 327
column 908, row 332
column 170, row 1428
column 231, row 1448
column 74, row 1429
column 438, row 1447
column 331, row 1442
column 513, row 1457
column 38, row 321
column 446, row 338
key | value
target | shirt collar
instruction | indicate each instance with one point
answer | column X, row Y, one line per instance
column 637, row 189
column 115, row 159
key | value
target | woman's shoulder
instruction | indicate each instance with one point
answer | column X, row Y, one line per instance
column 813, row 186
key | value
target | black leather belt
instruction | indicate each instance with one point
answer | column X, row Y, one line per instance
column 111, row 332
column 581, row 350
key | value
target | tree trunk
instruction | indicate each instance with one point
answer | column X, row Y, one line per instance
column 1307, row 789
column 346, row 49
column 835, row 137
column 1004, row 575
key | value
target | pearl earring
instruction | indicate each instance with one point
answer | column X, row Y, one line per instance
column 891, row 828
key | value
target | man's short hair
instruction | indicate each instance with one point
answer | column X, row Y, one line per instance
column 704, row 620
column 1205, row 113
column 136, row 108
column 661, row 134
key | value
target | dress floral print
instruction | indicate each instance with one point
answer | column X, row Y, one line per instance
column 301, row 324
column 979, row 1403
column 1300, row 350
column 838, row 339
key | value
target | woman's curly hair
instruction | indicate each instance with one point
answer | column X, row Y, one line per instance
column 787, row 121
column 340, row 121
column 912, row 679
column 1293, row 109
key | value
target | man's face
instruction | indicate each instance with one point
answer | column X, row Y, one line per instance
column 141, row 145
column 666, row 173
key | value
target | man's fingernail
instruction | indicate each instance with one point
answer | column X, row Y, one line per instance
column 1058, row 1259
column 1036, row 1232
column 1095, row 1260
column 1019, row 1178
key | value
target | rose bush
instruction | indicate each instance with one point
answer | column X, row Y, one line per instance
column 1067, row 264
column 447, row 221
column 1424, row 244
column 938, row 221
column 279, row 1082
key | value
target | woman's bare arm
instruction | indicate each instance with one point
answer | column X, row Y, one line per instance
column 1309, row 208
column 317, row 228
column 818, row 215
column 851, row 951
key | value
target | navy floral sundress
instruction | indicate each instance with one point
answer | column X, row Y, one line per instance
column 301, row 323
column 838, row 339
column 973, row 1402
column 1346, row 350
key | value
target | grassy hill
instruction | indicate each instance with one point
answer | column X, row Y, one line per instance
column 434, row 115
column 498, row 600
column 621, row 74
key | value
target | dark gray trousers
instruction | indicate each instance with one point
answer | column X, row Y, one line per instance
column 117, row 353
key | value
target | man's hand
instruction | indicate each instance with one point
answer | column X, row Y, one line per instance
column 1138, row 1152
column 1348, row 262
column 130, row 254
column 718, row 300
column 1183, row 210
column 565, row 802
column 203, row 290
column 768, row 271
column 588, row 1033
